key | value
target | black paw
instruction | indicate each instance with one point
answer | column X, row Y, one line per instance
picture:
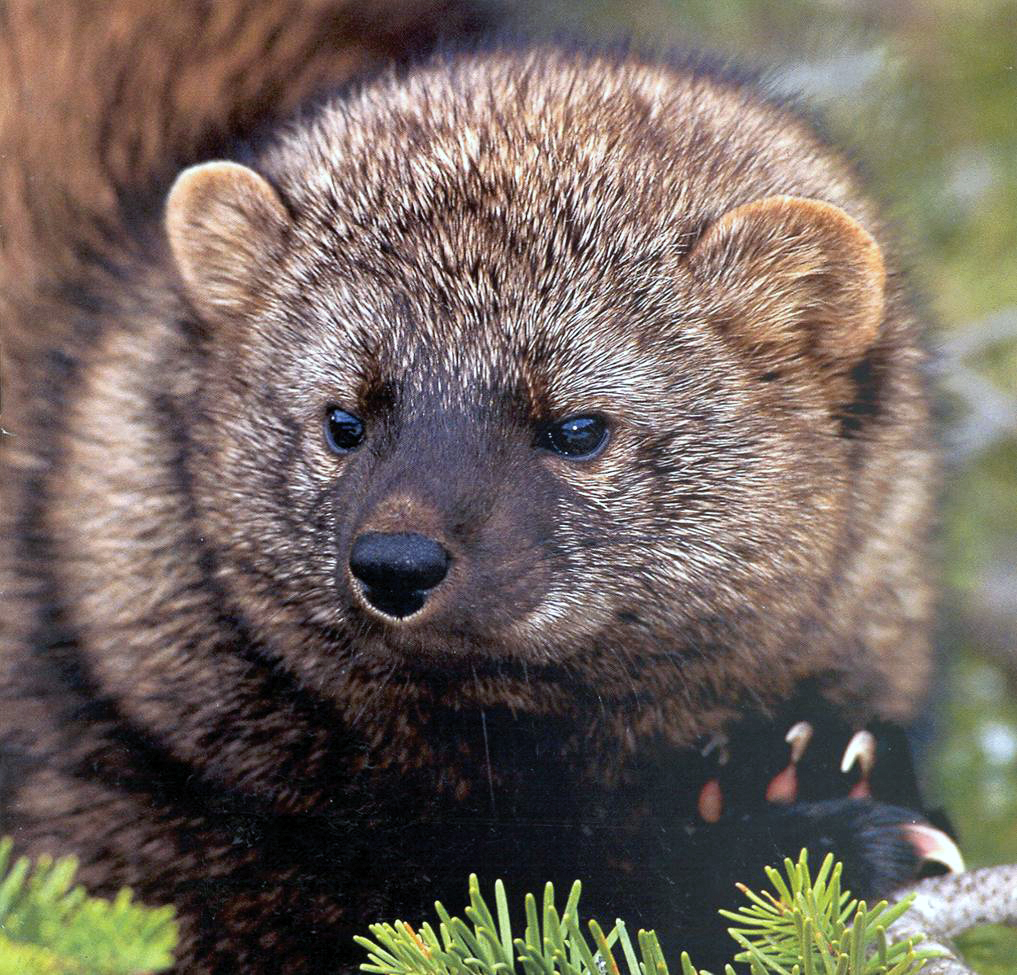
column 806, row 755
column 875, row 842
column 774, row 786
column 832, row 760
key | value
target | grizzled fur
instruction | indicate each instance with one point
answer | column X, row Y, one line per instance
column 194, row 700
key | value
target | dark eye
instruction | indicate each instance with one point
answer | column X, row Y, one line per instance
column 343, row 431
column 578, row 437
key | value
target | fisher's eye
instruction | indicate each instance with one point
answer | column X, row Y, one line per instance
column 576, row 437
column 343, row 431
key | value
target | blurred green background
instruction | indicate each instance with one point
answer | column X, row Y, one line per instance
column 924, row 92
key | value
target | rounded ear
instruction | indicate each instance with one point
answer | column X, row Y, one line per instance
column 793, row 279
column 223, row 221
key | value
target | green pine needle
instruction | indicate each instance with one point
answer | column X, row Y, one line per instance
column 804, row 926
column 50, row 927
column 817, row 926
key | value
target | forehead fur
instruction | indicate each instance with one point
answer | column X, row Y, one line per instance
column 556, row 144
column 538, row 203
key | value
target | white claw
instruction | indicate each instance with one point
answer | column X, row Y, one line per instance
column 717, row 743
column 861, row 749
column 934, row 845
column 798, row 737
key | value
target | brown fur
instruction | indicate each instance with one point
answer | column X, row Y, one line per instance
column 457, row 255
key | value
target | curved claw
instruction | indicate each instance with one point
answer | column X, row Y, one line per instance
column 934, row 846
column 783, row 787
column 716, row 745
column 798, row 737
column 861, row 749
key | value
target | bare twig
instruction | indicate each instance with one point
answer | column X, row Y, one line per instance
column 988, row 413
column 976, row 338
column 946, row 907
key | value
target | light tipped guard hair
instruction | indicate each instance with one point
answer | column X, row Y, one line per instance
column 223, row 220
column 793, row 279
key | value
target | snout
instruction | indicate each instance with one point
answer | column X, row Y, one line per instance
column 395, row 573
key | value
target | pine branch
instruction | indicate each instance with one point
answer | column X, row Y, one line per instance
column 48, row 926
column 815, row 926
column 805, row 926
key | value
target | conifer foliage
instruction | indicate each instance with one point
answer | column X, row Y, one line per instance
column 805, row 926
column 49, row 926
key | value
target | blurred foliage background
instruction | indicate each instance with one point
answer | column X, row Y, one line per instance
column 924, row 93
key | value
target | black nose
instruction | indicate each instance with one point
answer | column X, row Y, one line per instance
column 397, row 569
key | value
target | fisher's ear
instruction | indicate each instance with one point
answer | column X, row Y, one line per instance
column 224, row 223
column 792, row 280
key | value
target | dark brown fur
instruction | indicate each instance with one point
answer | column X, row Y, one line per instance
column 491, row 241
